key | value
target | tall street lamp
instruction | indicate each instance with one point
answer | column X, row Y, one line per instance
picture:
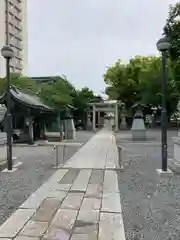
column 8, row 53
column 163, row 45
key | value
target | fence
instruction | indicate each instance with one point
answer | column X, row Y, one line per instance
column 60, row 152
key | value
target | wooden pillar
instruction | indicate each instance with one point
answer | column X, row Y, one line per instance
column 44, row 130
column 30, row 126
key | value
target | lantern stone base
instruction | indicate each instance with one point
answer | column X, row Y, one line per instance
column 138, row 130
column 138, row 135
column 174, row 163
column 70, row 131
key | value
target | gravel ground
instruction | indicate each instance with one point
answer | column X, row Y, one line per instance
column 37, row 167
column 151, row 205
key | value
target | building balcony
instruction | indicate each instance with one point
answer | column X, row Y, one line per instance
column 18, row 66
column 11, row 42
column 18, row 4
column 11, row 64
column 19, row 45
column 11, row 2
column 18, row 35
column 10, row 19
column 11, row 31
column 18, row 15
column 18, row 24
column 18, row 55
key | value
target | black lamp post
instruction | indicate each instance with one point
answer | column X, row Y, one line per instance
column 163, row 45
column 8, row 53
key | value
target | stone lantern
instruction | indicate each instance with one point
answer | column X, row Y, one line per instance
column 138, row 127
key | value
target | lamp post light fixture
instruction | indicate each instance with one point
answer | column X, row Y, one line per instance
column 7, row 53
column 163, row 45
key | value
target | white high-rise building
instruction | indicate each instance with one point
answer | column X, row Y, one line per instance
column 13, row 31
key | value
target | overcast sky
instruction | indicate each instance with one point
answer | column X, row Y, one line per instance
column 81, row 38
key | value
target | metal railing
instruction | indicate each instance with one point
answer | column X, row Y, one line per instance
column 60, row 151
column 120, row 162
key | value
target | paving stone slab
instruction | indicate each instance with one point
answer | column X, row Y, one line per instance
column 111, row 203
column 24, row 238
column 110, row 182
column 89, row 216
column 62, row 225
column 96, row 177
column 47, row 210
column 56, row 234
column 15, row 223
column 34, row 229
column 100, row 157
column 94, row 191
column 64, row 219
column 70, row 176
column 62, row 187
column 72, row 201
column 111, row 160
column 58, row 175
column 90, row 236
column 111, row 227
column 84, row 227
column 82, row 180
column 89, row 211
column 90, row 204
column 36, row 199
column 40, row 194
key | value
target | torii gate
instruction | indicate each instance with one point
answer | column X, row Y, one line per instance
column 110, row 106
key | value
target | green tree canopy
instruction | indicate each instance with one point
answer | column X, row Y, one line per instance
column 82, row 98
column 151, row 85
column 172, row 30
column 124, row 80
column 59, row 94
column 140, row 80
column 22, row 82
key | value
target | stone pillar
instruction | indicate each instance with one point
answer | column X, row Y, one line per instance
column 99, row 119
column 94, row 118
column 123, row 122
column 61, row 132
column 174, row 163
column 70, row 132
column 138, row 127
column 116, row 118
column 88, row 123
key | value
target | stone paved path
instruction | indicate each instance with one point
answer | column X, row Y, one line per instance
column 80, row 201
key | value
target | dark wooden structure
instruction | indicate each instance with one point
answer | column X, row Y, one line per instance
column 29, row 116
